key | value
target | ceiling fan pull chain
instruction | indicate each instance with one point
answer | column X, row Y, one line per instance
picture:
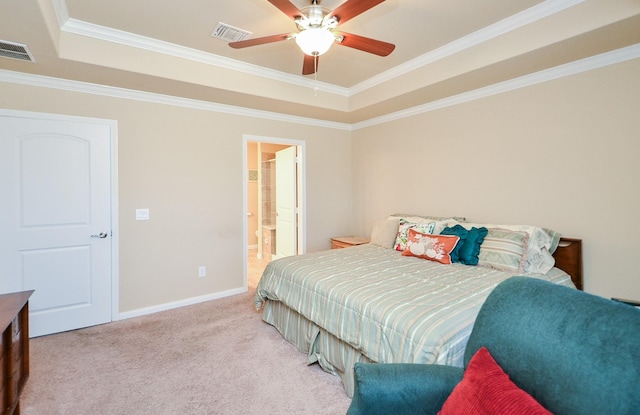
column 315, row 75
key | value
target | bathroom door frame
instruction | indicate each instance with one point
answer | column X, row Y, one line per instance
column 301, row 195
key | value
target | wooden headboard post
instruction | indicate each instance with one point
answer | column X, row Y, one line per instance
column 568, row 258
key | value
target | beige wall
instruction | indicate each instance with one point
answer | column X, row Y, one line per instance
column 562, row 154
column 185, row 165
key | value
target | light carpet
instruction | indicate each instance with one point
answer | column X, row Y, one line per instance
column 217, row 357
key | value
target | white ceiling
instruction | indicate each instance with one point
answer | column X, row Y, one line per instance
column 443, row 48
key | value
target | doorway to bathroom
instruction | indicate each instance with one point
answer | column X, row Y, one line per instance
column 274, row 189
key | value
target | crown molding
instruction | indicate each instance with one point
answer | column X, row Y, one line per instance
column 526, row 17
column 107, row 34
column 82, row 28
column 61, row 11
column 533, row 14
column 561, row 71
column 122, row 93
column 583, row 65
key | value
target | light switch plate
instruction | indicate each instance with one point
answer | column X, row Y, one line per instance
column 142, row 214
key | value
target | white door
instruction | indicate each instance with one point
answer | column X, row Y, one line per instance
column 286, row 231
column 55, row 216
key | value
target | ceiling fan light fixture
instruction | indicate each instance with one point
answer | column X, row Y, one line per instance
column 315, row 41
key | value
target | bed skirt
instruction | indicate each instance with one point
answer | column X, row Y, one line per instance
column 332, row 354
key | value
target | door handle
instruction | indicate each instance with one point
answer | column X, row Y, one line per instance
column 101, row 235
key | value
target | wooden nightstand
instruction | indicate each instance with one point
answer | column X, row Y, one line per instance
column 347, row 241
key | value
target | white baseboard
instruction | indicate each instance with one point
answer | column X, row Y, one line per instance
column 176, row 304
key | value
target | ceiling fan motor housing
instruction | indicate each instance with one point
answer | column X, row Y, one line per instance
column 314, row 16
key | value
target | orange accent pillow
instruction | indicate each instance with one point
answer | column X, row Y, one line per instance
column 485, row 389
column 432, row 247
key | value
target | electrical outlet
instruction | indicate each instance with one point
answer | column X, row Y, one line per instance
column 202, row 271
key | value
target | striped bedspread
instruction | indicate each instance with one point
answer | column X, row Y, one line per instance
column 390, row 307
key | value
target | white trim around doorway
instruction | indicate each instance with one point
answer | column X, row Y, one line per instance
column 302, row 210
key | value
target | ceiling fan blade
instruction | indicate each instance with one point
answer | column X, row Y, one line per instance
column 259, row 41
column 377, row 47
column 351, row 8
column 310, row 64
column 287, row 8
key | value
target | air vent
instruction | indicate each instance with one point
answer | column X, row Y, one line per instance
column 229, row 33
column 15, row 51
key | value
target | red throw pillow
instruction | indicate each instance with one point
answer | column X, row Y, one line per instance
column 486, row 389
column 433, row 247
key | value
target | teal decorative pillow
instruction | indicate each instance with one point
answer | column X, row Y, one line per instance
column 468, row 248
column 470, row 251
column 461, row 233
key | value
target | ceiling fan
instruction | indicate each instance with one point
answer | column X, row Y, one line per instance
column 316, row 34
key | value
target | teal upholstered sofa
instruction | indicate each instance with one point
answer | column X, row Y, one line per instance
column 575, row 353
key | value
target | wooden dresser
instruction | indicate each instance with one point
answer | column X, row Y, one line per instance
column 14, row 349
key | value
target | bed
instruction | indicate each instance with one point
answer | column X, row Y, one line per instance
column 376, row 303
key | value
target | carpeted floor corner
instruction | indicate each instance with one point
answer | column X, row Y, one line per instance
column 217, row 357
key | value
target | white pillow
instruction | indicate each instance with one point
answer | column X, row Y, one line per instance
column 440, row 222
column 504, row 249
column 425, row 219
column 384, row 232
column 541, row 241
column 402, row 237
